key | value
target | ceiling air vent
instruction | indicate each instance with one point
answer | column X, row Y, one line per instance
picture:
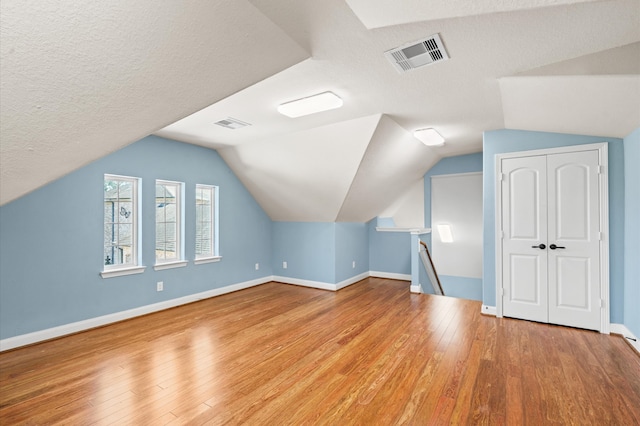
column 232, row 123
column 417, row 54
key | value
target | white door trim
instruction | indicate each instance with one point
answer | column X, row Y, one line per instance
column 603, row 176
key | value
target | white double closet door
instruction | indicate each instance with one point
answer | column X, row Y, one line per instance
column 551, row 257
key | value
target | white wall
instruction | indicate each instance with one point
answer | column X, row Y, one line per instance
column 456, row 200
column 408, row 210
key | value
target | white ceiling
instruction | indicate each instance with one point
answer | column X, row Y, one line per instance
column 81, row 80
column 551, row 65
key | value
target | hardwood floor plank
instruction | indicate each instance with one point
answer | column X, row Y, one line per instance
column 371, row 353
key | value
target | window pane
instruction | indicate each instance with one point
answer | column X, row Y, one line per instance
column 205, row 247
column 109, row 251
column 170, row 212
column 125, row 212
column 125, row 192
column 125, row 234
column 160, row 251
column 206, row 230
column 206, row 213
column 170, row 232
column 160, row 193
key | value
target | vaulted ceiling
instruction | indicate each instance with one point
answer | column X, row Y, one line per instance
column 80, row 81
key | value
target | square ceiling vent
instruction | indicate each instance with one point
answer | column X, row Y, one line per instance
column 232, row 123
column 417, row 54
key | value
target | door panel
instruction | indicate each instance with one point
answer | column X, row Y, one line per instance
column 524, row 213
column 574, row 223
column 524, row 209
column 571, row 202
column 525, row 279
column 572, row 282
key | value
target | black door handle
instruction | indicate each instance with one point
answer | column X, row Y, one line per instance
column 540, row 246
column 553, row 247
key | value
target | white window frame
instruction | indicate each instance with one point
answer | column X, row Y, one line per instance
column 133, row 267
column 179, row 261
column 214, row 256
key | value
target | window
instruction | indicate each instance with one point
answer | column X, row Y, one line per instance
column 121, row 231
column 206, row 224
column 169, row 225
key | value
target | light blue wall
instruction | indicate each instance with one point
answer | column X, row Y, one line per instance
column 309, row 248
column 501, row 141
column 352, row 244
column 320, row 251
column 462, row 287
column 51, row 240
column 389, row 251
column 632, row 232
column 465, row 288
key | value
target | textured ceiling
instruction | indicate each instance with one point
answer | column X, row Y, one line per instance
column 552, row 65
column 79, row 80
column 384, row 13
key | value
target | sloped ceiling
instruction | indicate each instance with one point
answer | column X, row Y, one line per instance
column 79, row 80
column 384, row 13
column 597, row 94
column 548, row 65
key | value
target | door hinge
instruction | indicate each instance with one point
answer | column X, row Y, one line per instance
column 600, row 169
column 501, row 291
column 600, row 236
column 602, row 303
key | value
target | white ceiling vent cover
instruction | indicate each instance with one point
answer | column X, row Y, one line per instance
column 417, row 54
column 232, row 123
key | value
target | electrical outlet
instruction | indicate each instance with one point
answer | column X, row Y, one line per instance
column 257, row 266
column 353, row 264
column 284, row 265
column 159, row 286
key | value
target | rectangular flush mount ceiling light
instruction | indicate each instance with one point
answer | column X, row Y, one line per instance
column 310, row 105
column 429, row 137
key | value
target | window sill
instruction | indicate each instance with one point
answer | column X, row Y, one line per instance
column 207, row 260
column 110, row 273
column 170, row 265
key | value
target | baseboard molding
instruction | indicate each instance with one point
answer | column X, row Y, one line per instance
column 305, row 283
column 352, row 280
column 622, row 330
column 390, row 275
column 489, row 310
column 322, row 285
column 416, row 289
column 75, row 327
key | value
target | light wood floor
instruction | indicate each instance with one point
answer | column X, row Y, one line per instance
column 369, row 354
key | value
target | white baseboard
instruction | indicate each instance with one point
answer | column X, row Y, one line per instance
column 320, row 284
column 352, row 280
column 416, row 289
column 75, row 327
column 390, row 275
column 627, row 334
column 489, row 310
column 305, row 283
